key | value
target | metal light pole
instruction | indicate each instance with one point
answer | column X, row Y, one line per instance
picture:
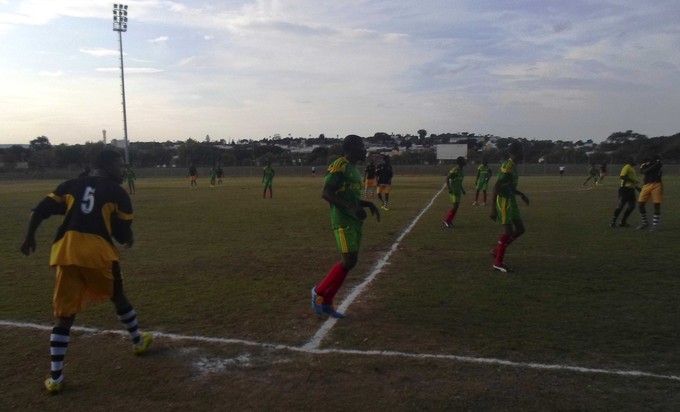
column 120, row 25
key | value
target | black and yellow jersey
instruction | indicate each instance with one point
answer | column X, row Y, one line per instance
column 96, row 210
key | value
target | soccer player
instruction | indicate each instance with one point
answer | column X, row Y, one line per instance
column 342, row 190
column 652, row 188
column 96, row 210
column 384, row 174
column 267, row 178
column 505, row 209
column 213, row 177
column 603, row 173
column 220, row 174
column 482, row 183
column 454, row 182
column 370, row 181
column 131, row 177
column 626, row 193
column 592, row 174
column 193, row 177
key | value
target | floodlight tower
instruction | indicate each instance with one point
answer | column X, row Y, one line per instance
column 120, row 25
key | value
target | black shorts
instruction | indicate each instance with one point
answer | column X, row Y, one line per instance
column 627, row 194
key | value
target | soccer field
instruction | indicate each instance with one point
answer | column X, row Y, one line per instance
column 589, row 320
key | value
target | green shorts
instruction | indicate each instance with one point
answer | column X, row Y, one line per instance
column 483, row 184
column 348, row 238
column 507, row 209
column 455, row 196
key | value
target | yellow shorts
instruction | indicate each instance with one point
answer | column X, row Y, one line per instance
column 653, row 190
column 383, row 189
column 75, row 287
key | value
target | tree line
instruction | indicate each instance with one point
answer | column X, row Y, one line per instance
column 407, row 149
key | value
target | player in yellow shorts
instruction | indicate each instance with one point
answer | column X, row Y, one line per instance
column 370, row 181
column 96, row 211
column 384, row 174
column 651, row 189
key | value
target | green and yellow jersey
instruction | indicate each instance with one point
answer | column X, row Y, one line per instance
column 508, row 177
column 455, row 179
column 344, row 176
column 483, row 173
column 268, row 174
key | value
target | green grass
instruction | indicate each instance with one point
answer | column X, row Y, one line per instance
column 223, row 262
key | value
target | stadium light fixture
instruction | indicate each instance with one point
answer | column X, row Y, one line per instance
column 120, row 22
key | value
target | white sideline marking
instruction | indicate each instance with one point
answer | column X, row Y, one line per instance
column 312, row 347
column 315, row 341
column 303, row 349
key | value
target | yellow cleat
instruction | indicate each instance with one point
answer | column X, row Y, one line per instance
column 145, row 340
column 53, row 387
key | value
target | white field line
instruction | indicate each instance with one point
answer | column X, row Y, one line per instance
column 312, row 347
column 315, row 341
column 421, row 356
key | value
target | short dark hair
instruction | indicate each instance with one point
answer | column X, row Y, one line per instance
column 350, row 140
column 106, row 158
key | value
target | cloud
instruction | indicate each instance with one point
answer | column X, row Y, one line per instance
column 161, row 39
column 99, row 52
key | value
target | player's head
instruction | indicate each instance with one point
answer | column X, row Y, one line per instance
column 460, row 161
column 353, row 148
column 516, row 151
column 485, row 162
column 110, row 163
column 631, row 161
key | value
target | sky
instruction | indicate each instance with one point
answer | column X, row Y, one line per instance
column 539, row 69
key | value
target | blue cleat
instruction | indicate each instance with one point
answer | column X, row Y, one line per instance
column 330, row 310
column 317, row 302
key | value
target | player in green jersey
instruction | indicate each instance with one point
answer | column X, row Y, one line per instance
column 454, row 182
column 342, row 190
column 482, row 183
column 592, row 174
column 131, row 177
column 267, row 179
column 505, row 209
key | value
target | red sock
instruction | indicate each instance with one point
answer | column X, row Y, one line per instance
column 502, row 245
column 450, row 215
column 330, row 285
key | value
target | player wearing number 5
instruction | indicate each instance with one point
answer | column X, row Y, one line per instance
column 96, row 211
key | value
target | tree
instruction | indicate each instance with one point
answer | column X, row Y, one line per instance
column 422, row 133
column 40, row 143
